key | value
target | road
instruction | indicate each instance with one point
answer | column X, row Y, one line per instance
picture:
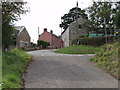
column 51, row 70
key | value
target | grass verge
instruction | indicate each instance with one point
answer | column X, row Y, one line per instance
column 107, row 59
column 13, row 64
column 78, row 49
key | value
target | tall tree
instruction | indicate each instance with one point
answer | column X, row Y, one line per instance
column 102, row 15
column 117, row 19
column 117, row 15
column 73, row 14
column 11, row 12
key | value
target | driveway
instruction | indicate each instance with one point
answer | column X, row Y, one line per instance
column 51, row 70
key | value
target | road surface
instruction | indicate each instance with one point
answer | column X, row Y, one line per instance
column 51, row 70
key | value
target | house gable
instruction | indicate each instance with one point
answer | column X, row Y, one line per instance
column 51, row 38
column 23, row 37
column 73, row 31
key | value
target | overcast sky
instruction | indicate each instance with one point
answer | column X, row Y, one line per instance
column 47, row 14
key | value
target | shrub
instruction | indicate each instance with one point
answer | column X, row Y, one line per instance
column 94, row 41
column 42, row 43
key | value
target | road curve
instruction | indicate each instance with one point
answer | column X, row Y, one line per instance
column 51, row 70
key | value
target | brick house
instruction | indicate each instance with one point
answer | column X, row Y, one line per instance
column 22, row 37
column 73, row 31
column 54, row 41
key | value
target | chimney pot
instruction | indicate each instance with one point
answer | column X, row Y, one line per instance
column 51, row 31
column 45, row 29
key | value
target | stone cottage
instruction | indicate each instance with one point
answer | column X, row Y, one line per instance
column 22, row 37
column 54, row 41
column 75, row 29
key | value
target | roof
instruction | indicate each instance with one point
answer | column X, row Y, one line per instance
column 18, row 30
column 55, row 35
column 51, row 34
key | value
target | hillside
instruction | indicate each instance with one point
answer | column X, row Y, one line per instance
column 107, row 58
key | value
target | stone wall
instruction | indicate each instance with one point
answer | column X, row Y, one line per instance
column 65, row 37
column 73, row 31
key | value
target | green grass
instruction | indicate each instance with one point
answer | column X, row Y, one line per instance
column 13, row 65
column 107, row 59
column 78, row 49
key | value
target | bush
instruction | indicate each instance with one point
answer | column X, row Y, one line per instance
column 94, row 41
column 42, row 43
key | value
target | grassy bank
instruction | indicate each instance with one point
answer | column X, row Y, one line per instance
column 78, row 49
column 107, row 58
column 13, row 65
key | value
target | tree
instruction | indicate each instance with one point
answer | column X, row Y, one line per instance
column 117, row 15
column 117, row 19
column 88, row 25
column 102, row 15
column 73, row 14
column 11, row 12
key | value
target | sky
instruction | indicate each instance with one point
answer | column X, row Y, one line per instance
column 47, row 14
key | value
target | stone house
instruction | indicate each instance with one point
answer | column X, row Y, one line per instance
column 75, row 29
column 54, row 41
column 22, row 37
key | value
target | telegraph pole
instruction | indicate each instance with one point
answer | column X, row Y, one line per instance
column 38, row 33
column 105, row 30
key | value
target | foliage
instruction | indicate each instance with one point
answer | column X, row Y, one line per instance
column 33, row 44
column 11, row 12
column 73, row 14
column 13, row 64
column 42, row 43
column 107, row 58
column 102, row 17
column 117, row 19
column 94, row 41
column 78, row 49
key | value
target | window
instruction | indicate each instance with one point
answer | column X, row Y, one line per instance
column 79, row 26
column 26, row 44
column 23, row 44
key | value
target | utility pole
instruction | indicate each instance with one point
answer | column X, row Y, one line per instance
column 38, row 33
column 33, row 40
column 105, row 27
column 105, row 30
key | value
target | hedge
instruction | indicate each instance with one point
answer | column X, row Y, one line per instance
column 94, row 41
column 42, row 43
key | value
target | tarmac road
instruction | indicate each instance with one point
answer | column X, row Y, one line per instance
column 51, row 70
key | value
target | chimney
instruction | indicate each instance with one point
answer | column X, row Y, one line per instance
column 51, row 31
column 45, row 29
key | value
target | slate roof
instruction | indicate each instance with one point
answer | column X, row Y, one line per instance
column 18, row 30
